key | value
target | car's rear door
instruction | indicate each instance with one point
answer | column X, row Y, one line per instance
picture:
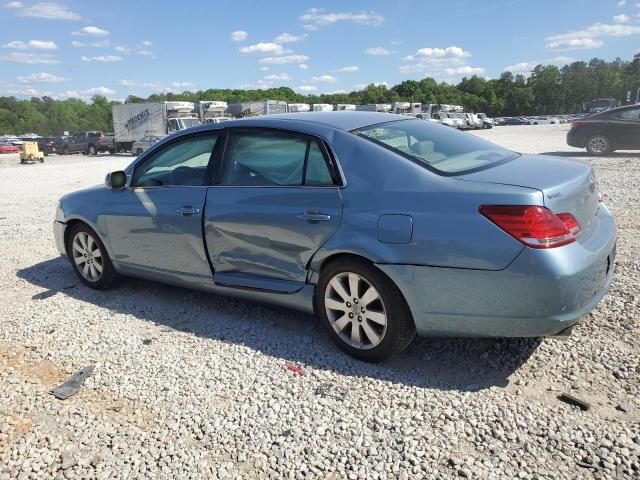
column 624, row 128
column 156, row 222
column 276, row 202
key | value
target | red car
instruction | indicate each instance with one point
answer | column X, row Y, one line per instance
column 8, row 148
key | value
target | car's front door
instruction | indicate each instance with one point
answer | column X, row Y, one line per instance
column 276, row 202
column 624, row 126
column 156, row 222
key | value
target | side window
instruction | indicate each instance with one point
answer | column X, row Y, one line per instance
column 633, row 114
column 264, row 159
column 274, row 159
column 181, row 163
column 317, row 169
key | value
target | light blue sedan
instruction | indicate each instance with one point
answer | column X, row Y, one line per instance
column 383, row 225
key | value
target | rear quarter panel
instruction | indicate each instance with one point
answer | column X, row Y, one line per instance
column 448, row 230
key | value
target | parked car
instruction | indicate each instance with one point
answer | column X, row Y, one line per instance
column 514, row 121
column 361, row 217
column 6, row 147
column 90, row 143
column 603, row 133
column 545, row 121
column 57, row 144
column 13, row 140
column 144, row 143
column 486, row 121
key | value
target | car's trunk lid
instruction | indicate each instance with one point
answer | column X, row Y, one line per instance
column 568, row 186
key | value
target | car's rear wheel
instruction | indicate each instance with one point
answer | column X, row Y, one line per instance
column 139, row 151
column 598, row 145
column 363, row 311
column 90, row 259
column 65, row 151
column 92, row 150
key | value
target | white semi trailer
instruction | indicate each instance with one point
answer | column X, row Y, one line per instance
column 207, row 110
column 299, row 107
column 134, row 121
column 322, row 107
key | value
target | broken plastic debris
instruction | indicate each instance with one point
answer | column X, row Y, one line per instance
column 571, row 400
column 330, row 390
column 71, row 386
column 294, row 368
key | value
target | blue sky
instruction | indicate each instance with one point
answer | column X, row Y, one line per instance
column 116, row 48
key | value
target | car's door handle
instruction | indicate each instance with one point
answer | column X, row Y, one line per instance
column 187, row 211
column 314, row 217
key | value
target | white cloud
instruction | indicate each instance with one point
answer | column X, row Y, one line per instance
column 32, row 44
column 574, row 44
column 48, row 10
column 351, row 68
column 307, row 88
column 146, row 43
column 138, row 49
column 264, row 69
column 13, row 5
column 377, row 51
column 18, row 90
column 97, row 91
column 277, row 77
column 324, row 78
column 622, row 18
column 283, row 60
column 41, row 77
column 464, row 70
column 440, row 63
column 361, row 86
column 288, row 38
column 239, row 36
column 96, row 44
column 315, row 18
column 303, row 66
column 527, row 67
column 396, row 42
column 30, row 58
column 589, row 36
column 102, row 58
column 265, row 48
column 622, row 3
column 91, row 31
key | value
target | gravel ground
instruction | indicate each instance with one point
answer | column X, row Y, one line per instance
column 190, row 385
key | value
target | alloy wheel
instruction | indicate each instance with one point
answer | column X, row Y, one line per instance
column 598, row 145
column 87, row 256
column 355, row 310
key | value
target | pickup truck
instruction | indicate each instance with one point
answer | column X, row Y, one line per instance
column 90, row 143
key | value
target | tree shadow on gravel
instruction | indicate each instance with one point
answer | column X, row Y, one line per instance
column 436, row 363
column 584, row 154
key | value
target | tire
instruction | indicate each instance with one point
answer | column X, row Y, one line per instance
column 82, row 244
column 598, row 145
column 139, row 151
column 65, row 151
column 384, row 323
column 92, row 150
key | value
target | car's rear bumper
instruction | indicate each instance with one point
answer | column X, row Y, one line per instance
column 576, row 139
column 542, row 292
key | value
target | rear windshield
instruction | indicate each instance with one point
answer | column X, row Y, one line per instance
column 437, row 147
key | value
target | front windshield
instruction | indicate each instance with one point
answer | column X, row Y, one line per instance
column 190, row 122
column 441, row 148
column 600, row 103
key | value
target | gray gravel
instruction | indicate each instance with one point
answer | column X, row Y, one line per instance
column 189, row 385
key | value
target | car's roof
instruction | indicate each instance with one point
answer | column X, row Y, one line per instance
column 338, row 120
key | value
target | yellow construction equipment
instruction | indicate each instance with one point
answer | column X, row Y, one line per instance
column 30, row 153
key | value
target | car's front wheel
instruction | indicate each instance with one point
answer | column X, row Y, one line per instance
column 598, row 145
column 363, row 311
column 89, row 258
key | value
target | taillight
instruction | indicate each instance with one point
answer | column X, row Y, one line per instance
column 100, row 139
column 536, row 227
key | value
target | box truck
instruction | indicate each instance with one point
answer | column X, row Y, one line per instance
column 253, row 109
column 208, row 110
column 134, row 121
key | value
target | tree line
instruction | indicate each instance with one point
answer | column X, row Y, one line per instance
column 548, row 89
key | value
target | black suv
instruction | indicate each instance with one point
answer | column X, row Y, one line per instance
column 602, row 133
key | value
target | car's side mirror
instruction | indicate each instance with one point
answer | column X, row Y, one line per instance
column 116, row 180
